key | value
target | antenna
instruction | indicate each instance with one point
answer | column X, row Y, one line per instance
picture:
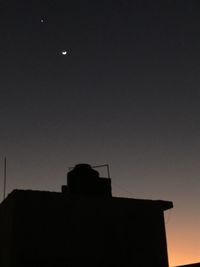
column 98, row 166
column 4, row 186
column 104, row 165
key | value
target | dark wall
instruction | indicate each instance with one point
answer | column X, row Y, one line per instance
column 55, row 230
column 6, row 233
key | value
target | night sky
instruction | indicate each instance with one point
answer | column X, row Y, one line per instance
column 127, row 93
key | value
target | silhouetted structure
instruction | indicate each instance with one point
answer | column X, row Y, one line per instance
column 80, row 228
column 84, row 180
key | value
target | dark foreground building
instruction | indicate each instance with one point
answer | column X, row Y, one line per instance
column 82, row 226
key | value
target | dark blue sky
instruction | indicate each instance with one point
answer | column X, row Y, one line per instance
column 127, row 93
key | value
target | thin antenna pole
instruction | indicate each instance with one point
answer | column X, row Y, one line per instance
column 108, row 169
column 104, row 165
column 4, row 187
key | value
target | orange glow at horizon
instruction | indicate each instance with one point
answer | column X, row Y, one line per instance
column 181, row 255
column 183, row 239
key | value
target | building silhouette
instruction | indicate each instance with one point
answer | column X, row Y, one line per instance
column 82, row 226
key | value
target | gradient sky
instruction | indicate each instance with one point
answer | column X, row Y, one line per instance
column 127, row 93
